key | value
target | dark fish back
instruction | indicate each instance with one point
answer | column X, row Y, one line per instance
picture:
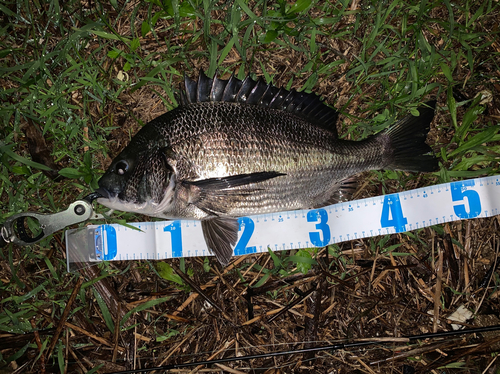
column 307, row 106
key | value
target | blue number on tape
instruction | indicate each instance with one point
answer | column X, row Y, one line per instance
column 175, row 233
column 458, row 192
column 322, row 216
column 247, row 225
column 392, row 207
column 105, row 247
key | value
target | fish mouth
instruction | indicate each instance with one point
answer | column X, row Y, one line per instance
column 148, row 207
column 105, row 194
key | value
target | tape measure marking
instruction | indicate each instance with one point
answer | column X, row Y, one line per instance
column 380, row 215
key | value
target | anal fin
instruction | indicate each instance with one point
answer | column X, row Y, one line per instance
column 341, row 192
column 221, row 234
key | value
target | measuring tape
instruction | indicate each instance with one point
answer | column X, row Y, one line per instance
column 388, row 214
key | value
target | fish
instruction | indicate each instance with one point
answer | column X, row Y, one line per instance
column 235, row 148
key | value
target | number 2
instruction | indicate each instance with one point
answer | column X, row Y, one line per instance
column 248, row 226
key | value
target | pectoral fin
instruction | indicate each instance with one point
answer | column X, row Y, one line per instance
column 220, row 234
column 217, row 184
column 216, row 196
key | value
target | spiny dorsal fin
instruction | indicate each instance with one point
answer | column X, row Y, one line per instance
column 308, row 106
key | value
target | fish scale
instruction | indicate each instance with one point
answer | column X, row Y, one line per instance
column 219, row 139
column 236, row 148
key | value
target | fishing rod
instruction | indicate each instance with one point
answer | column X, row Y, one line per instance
column 332, row 347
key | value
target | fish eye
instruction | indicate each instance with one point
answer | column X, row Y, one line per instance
column 121, row 167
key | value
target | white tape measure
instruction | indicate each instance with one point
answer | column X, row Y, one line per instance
column 399, row 212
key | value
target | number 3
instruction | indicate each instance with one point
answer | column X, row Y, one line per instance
column 322, row 215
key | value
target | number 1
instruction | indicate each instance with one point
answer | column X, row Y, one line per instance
column 175, row 233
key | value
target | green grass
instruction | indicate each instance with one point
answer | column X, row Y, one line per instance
column 89, row 77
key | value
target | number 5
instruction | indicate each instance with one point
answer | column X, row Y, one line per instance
column 458, row 192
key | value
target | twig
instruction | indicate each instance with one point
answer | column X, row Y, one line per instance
column 228, row 369
column 64, row 316
column 293, row 303
column 489, row 365
column 117, row 334
column 79, row 363
column 193, row 296
column 365, row 365
column 174, row 349
column 92, row 336
column 225, row 347
column 201, row 293
column 39, row 345
column 311, row 324
column 437, row 292
column 489, row 280
column 467, row 250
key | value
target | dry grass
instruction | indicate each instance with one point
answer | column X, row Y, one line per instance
column 360, row 293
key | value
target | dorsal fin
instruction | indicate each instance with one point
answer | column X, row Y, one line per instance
column 308, row 106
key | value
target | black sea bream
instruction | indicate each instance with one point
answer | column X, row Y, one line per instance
column 235, row 148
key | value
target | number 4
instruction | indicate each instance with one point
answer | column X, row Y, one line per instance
column 392, row 213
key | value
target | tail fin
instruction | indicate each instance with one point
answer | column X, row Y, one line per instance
column 407, row 147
